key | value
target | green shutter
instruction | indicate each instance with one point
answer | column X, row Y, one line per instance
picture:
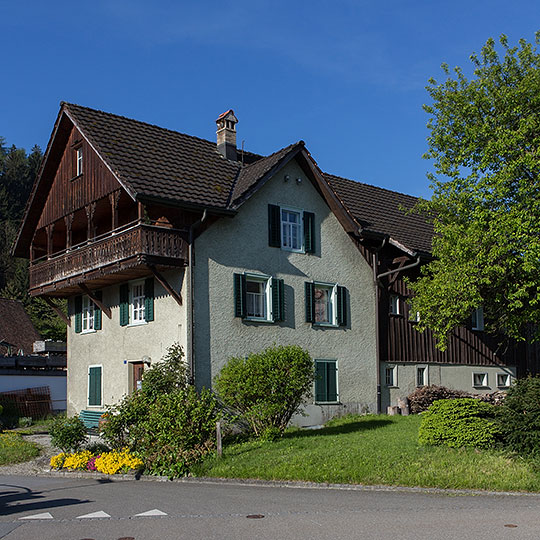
column 124, row 304
column 78, row 314
column 310, row 302
column 149, row 299
column 331, row 381
column 309, row 232
column 278, row 300
column 97, row 311
column 320, row 381
column 342, row 306
column 274, row 226
column 239, row 295
column 94, row 385
column 326, row 381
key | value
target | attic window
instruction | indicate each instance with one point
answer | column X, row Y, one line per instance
column 78, row 161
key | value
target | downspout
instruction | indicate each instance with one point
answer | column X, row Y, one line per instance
column 190, row 311
column 377, row 329
column 377, row 285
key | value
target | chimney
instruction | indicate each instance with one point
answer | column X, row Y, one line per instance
column 226, row 135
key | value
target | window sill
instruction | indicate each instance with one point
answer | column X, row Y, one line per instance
column 138, row 323
column 481, row 387
column 291, row 250
column 258, row 320
column 76, row 177
column 88, row 331
column 327, row 403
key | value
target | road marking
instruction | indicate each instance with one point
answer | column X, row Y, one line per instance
column 154, row 512
column 99, row 514
column 45, row 515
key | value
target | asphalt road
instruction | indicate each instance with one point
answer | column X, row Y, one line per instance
column 75, row 509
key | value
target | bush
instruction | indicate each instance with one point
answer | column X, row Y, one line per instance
column 459, row 422
column 68, row 434
column 179, row 431
column 421, row 399
column 267, row 388
column 121, row 423
column 519, row 416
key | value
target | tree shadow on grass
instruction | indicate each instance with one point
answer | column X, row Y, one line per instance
column 364, row 425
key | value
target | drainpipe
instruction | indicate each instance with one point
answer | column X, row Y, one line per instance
column 377, row 329
column 190, row 311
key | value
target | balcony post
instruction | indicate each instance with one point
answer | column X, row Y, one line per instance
column 69, row 222
column 90, row 210
column 114, row 197
column 50, row 230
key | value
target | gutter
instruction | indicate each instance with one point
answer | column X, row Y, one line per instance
column 190, row 310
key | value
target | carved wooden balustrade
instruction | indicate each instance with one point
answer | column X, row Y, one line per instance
column 138, row 244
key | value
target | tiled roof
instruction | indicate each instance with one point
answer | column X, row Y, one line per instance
column 16, row 328
column 383, row 211
column 154, row 162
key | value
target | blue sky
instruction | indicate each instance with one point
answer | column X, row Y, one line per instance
column 348, row 77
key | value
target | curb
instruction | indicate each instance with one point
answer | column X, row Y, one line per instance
column 291, row 484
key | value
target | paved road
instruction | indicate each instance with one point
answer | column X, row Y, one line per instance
column 74, row 509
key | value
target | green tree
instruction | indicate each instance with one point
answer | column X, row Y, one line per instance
column 485, row 146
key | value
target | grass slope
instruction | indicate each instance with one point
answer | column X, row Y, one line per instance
column 372, row 450
column 14, row 449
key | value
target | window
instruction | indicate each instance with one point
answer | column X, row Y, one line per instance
column 503, row 380
column 258, row 297
column 291, row 229
column 79, row 161
column 477, row 319
column 326, row 304
column 95, row 386
column 421, row 376
column 326, row 383
column 480, row 380
column 390, row 375
column 394, row 304
column 87, row 314
column 137, row 302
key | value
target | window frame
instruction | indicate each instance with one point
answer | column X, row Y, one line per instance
column 477, row 319
column 300, row 225
column 508, row 378
column 425, row 375
column 485, row 379
column 394, row 371
column 79, row 156
column 100, row 405
column 331, row 303
column 394, row 304
column 88, row 315
column 140, row 309
column 336, row 368
column 267, row 280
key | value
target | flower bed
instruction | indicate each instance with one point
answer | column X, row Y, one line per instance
column 107, row 462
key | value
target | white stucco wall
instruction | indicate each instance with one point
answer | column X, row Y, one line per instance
column 455, row 376
column 115, row 346
column 240, row 244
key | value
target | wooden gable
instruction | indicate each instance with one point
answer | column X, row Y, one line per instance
column 70, row 192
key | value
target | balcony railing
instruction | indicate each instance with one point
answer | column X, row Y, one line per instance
column 135, row 242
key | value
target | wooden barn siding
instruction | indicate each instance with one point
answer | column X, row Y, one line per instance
column 68, row 194
column 401, row 342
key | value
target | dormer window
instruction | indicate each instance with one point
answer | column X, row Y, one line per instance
column 78, row 161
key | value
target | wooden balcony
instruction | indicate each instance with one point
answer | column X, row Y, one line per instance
column 117, row 256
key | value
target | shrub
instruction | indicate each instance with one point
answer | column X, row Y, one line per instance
column 519, row 416
column 459, row 422
column 267, row 388
column 421, row 399
column 121, row 423
column 68, row 433
column 179, row 431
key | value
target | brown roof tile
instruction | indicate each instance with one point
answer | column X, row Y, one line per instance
column 384, row 211
column 16, row 328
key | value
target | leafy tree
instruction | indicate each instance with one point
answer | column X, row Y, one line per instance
column 485, row 146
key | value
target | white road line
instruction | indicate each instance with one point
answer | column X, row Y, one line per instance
column 154, row 512
column 99, row 514
column 45, row 515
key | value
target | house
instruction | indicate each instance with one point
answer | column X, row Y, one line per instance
column 157, row 237
column 32, row 372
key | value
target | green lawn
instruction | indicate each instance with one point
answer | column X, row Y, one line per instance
column 372, row 450
column 14, row 449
